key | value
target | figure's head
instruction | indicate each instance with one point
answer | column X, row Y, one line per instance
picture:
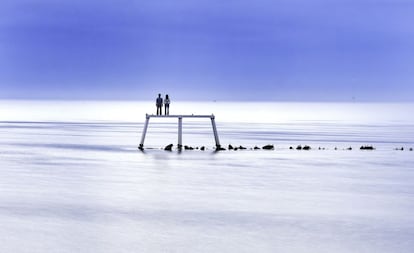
column 166, row 96
column 159, row 95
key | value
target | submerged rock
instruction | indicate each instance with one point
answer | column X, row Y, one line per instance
column 366, row 148
column 268, row 147
column 168, row 147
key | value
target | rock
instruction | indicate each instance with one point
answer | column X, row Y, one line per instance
column 306, row 147
column 188, row 147
column 168, row 147
column 202, row 148
column 336, row 148
column 268, row 147
column 366, row 148
column 235, row 149
column 256, row 148
column 290, row 147
column 319, row 148
column 411, row 149
column 350, row 148
column 299, row 147
column 241, row 147
column 230, row 147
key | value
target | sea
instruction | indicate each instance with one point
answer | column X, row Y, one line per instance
column 72, row 178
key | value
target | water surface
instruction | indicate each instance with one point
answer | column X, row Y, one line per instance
column 72, row 179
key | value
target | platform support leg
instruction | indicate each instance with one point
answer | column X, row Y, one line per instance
column 144, row 132
column 180, row 133
column 216, row 138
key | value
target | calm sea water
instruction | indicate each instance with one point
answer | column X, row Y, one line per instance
column 72, row 179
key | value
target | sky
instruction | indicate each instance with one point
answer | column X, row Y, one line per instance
column 258, row 50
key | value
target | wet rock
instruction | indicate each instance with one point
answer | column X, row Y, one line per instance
column 299, row 147
column 366, row 148
column 268, row 147
column 256, row 148
column 188, row 147
column 350, row 148
column 235, row 149
column 306, row 147
column 168, row 147
column 241, row 147
column 230, row 147
column 202, row 148
column 290, row 147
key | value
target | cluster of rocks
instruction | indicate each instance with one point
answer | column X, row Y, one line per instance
column 170, row 146
column 230, row 147
column 266, row 147
column 306, row 147
column 402, row 149
column 270, row 147
column 366, row 148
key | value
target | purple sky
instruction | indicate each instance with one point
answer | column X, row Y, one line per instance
column 286, row 50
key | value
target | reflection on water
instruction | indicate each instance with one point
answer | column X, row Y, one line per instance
column 73, row 180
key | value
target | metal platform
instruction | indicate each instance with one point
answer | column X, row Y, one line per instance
column 180, row 127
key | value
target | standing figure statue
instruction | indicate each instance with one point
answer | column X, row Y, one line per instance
column 167, row 105
column 158, row 103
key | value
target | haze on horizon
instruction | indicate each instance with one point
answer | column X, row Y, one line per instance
column 280, row 50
